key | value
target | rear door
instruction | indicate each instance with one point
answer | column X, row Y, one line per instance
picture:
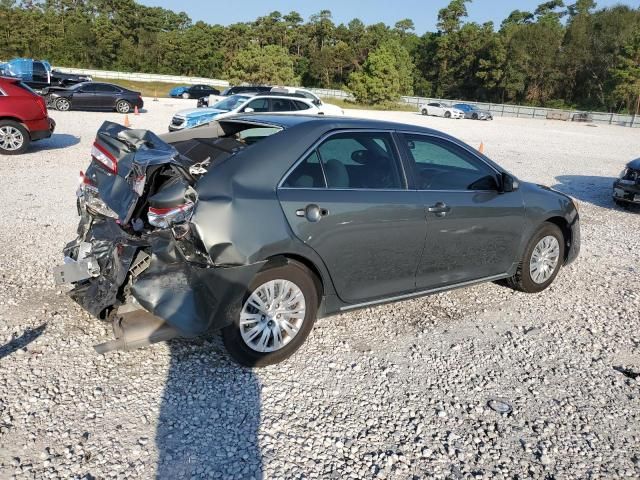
column 348, row 200
column 473, row 230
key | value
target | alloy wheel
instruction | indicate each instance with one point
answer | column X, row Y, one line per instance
column 272, row 315
column 63, row 104
column 123, row 107
column 11, row 138
column 544, row 259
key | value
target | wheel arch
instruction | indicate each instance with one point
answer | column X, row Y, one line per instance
column 284, row 258
column 565, row 228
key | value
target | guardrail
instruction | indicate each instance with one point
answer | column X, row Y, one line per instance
column 145, row 77
column 497, row 109
column 518, row 111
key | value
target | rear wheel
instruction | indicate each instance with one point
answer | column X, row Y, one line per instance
column 63, row 104
column 276, row 316
column 447, row 114
column 541, row 262
column 122, row 106
column 14, row 137
column 475, row 116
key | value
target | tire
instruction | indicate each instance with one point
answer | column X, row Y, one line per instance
column 63, row 105
column 14, row 138
column 474, row 116
column 186, row 95
column 425, row 111
column 523, row 280
column 447, row 114
column 122, row 106
column 298, row 277
column 621, row 204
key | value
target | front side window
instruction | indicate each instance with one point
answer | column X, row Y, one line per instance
column 259, row 105
column 361, row 160
column 442, row 165
column 89, row 88
column 102, row 87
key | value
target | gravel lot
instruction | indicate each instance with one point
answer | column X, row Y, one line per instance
column 396, row 392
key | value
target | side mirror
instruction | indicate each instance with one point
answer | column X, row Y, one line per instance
column 249, row 110
column 508, row 183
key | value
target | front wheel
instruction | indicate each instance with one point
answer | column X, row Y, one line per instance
column 276, row 317
column 122, row 106
column 447, row 114
column 425, row 111
column 186, row 95
column 14, row 137
column 63, row 105
column 541, row 262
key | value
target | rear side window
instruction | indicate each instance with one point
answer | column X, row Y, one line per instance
column 101, row 87
column 308, row 174
column 361, row 160
column 282, row 105
column 442, row 165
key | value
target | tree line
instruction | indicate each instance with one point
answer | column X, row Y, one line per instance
column 560, row 55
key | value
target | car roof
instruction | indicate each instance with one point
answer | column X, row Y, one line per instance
column 286, row 121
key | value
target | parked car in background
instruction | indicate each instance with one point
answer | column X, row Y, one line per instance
column 439, row 109
column 23, row 117
column 39, row 75
column 326, row 108
column 177, row 92
column 258, row 224
column 94, row 96
column 473, row 112
column 582, row 117
column 227, row 92
column 245, row 103
column 626, row 188
column 199, row 91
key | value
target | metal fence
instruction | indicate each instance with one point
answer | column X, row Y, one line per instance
column 145, row 77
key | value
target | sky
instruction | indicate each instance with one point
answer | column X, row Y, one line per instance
column 423, row 12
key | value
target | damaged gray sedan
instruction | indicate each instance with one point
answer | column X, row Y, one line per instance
column 259, row 224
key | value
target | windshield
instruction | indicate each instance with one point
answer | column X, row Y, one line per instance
column 230, row 103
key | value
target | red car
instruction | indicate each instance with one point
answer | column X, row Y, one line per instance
column 23, row 117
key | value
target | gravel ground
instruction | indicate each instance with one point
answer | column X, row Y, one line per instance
column 397, row 392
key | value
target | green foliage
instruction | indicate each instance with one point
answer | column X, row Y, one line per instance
column 262, row 65
column 563, row 52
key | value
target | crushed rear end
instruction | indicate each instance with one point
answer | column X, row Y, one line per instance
column 138, row 259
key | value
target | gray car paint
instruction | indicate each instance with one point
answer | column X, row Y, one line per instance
column 368, row 249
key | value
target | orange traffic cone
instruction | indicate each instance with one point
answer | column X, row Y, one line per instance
column 127, row 123
column 481, row 147
column 135, row 110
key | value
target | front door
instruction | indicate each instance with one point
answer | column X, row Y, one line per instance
column 85, row 96
column 473, row 230
column 348, row 200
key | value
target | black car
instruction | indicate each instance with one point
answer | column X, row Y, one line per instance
column 257, row 224
column 626, row 188
column 227, row 92
column 199, row 91
column 94, row 96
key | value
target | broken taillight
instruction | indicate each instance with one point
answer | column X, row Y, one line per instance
column 167, row 217
column 90, row 198
column 104, row 157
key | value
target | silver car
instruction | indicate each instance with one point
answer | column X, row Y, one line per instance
column 473, row 112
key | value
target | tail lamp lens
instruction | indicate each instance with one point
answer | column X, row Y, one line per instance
column 102, row 156
column 167, row 217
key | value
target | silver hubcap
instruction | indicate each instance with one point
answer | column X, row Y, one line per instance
column 10, row 138
column 123, row 107
column 544, row 259
column 272, row 316
column 63, row 105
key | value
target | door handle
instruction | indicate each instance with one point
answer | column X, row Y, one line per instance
column 440, row 209
column 312, row 212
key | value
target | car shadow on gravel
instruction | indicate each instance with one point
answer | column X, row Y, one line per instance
column 209, row 416
column 29, row 335
column 55, row 142
column 588, row 188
